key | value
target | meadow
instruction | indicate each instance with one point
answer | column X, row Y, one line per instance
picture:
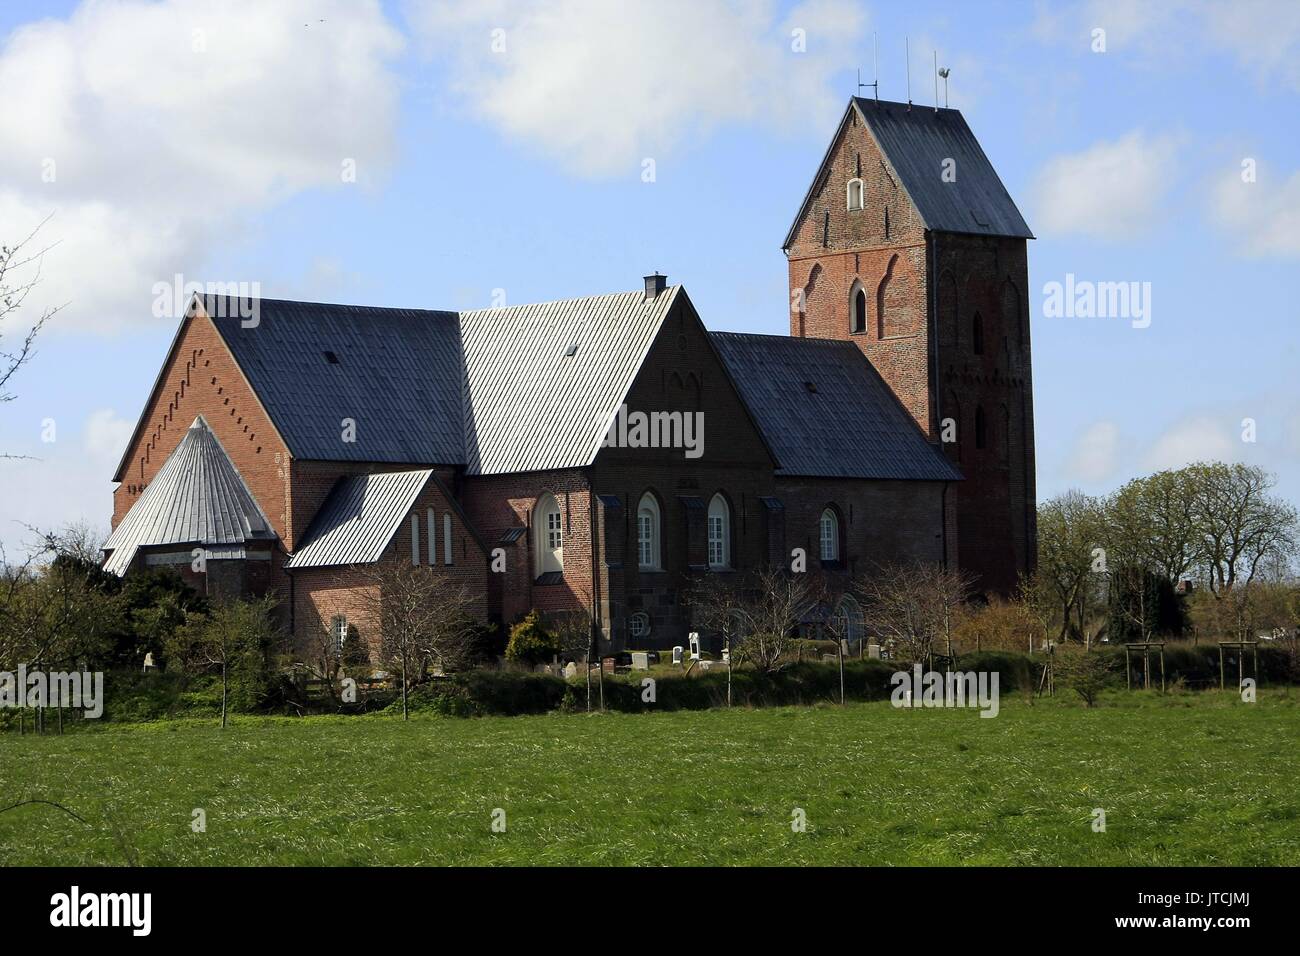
column 1183, row 779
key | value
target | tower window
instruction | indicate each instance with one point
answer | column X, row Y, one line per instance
column 977, row 334
column 826, row 229
column 854, row 194
column 981, row 427
column 860, row 310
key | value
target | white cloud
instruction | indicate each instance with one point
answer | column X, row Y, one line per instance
column 600, row 86
column 1263, row 216
column 1111, row 190
column 1200, row 438
column 1095, row 454
column 168, row 125
column 1261, row 35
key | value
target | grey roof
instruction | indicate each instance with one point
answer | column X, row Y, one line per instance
column 849, row 425
column 197, row 497
column 397, row 375
column 530, row 406
column 358, row 519
column 915, row 141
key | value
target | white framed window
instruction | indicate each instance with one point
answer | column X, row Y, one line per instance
column 638, row 625
column 430, row 525
column 830, row 535
column 853, row 194
column 338, row 632
column 415, row 538
column 446, row 537
column 549, row 531
column 647, row 533
column 719, row 533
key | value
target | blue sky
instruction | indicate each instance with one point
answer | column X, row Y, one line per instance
column 209, row 139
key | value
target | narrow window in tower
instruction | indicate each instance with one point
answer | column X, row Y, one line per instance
column 854, row 195
column 977, row 334
column 981, row 428
column 860, row 310
column 826, row 229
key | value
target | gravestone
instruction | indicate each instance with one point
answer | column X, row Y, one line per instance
column 873, row 651
column 678, row 651
column 640, row 661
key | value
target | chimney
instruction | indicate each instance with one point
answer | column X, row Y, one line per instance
column 654, row 285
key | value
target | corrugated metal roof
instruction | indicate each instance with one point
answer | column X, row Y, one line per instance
column 358, row 519
column 396, row 373
column 849, row 426
column 916, row 142
column 197, row 497
column 531, row 406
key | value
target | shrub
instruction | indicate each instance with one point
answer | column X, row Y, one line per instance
column 530, row 641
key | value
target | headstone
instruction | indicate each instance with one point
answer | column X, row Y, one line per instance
column 873, row 651
column 678, row 651
column 844, row 646
column 694, row 640
column 640, row 661
column 570, row 670
column 148, row 661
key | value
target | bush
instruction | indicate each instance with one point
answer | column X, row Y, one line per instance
column 1015, row 671
column 530, row 642
column 482, row 693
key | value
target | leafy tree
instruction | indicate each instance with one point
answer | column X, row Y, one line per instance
column 531, row 642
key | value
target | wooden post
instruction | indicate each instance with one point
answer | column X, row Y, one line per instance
column 1128, row 668
column 1146, row 667
column 1162, row 668
column 1254, row 654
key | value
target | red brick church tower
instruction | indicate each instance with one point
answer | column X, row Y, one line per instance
column 908, row 245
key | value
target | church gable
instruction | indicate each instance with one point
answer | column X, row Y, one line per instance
column 683, row 388
column 201, row 378
column 855, row 201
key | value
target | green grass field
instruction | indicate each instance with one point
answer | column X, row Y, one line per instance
column 1185, row 779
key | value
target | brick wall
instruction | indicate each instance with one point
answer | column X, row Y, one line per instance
column 935, row 373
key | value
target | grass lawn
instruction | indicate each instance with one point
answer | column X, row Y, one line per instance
column 1187, row 779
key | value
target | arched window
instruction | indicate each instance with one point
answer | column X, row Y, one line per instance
column 859, row 308
column 977, row 334
column 719, row 533
column 647, row 533
column 830, row 535
column 981, row 428
column 853, row 199
column 548, row 527
column 848, row 624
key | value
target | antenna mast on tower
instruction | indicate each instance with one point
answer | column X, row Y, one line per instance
column 907, row 50
column 875, row 63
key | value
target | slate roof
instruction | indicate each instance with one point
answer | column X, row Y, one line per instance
column 915, row 142
column 851, row 426
column 530, row 405
column 197, row 497
column 358, row 519
column 395, row 372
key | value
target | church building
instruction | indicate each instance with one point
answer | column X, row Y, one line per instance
column 599, row 455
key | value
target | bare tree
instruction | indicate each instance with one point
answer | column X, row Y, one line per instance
column 759, row 613
column 20, row 273
column 911, row 605
column 1070, row 527
column 423, row 619
column 1242, row 527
